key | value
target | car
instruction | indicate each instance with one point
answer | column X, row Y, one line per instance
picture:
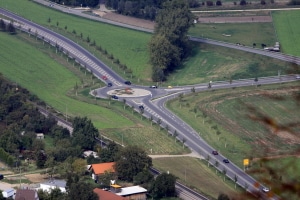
column 215, row 152
column 114, row 97
column 109, row 84
column 225, row 161
column 104, row 77
column 298, row 77
column 127, row 82
column 170, row 87
column 265, row 189
column 153, row 86
column 141, row 107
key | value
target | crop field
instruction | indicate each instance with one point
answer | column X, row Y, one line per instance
column 196, row 174
column 288, row 30
column 227, row 121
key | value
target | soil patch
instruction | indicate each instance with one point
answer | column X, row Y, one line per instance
column 37, row 178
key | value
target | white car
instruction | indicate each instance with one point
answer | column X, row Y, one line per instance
column 265, row 189
column 298, row 77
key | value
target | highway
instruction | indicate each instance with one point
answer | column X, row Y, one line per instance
column 154, row 103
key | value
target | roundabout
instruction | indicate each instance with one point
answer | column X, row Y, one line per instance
column 129, row 92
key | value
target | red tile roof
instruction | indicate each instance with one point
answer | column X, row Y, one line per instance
column 106, row 195
column 102, row 167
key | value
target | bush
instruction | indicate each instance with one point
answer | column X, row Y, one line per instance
column 243, row 2
column 263, row 2
column 294, row 2
column 218, row 3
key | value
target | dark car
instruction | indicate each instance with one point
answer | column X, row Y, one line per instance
column 141, row 107
column 215, row 153
column 114, row 97
column 127, row 82
column 109, row 84
column 225, row 161
column 153, row 86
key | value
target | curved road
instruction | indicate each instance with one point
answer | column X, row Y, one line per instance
column 155, row 108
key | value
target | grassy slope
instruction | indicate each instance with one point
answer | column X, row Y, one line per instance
column 196, row 175
column 288, row 30
column 114, row 39
column 44, row 77
column 227, row 114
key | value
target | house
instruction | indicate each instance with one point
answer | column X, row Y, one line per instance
column 90, row 153
column 10, row 192
column 40, row 136
column 101, row 168
column 133, row 193
column 26, row 194
column 106, row 195
column 52, row 184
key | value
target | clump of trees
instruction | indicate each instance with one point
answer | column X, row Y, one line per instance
column 169, row 44
column 82, row 3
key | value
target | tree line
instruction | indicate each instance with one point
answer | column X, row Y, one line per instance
column 169, row 44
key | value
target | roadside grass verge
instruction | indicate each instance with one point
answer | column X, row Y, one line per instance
column 223, row 119
column 287, row 28
column 243, row 33
column 194, row 173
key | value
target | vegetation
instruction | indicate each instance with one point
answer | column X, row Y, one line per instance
column 163, row 186
column 287, row 31
column 81, row 3
column 169, row 44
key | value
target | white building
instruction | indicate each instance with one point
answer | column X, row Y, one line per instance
column 52, row 184
column 8, row 192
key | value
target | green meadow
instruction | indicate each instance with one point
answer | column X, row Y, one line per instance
column 288, row 30
column 50, row 81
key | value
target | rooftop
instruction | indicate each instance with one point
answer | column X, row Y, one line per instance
column 131, row 190
column 55, row 183
column 102, row 167
column 105, row 195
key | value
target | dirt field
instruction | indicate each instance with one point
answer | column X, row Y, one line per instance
column 106, row 14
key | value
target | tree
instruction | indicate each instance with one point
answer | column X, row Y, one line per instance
column 79, row 166
column 159, row 122
column 130, row 161
column 84, row 133
column 2, row 25
column 243, row 2
column 163, row 186
column 11, row 28
column 40, row 159
column 143, row 178
column 219, row 3
column 81, row 191
column 235, row 180
column 223, row 197
column 224, row 172
column 169, row 43
column 109, row 153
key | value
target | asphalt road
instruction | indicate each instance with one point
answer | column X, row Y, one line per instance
column 155, row 108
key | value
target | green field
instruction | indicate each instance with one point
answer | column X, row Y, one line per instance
column 123, row 43
column 195, row 174
column 43, row 76
column 288, row 30
column 223, row 119
column 243, row 33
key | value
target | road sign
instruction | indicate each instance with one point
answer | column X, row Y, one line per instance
column 246, row 162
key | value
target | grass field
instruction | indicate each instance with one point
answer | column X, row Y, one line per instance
column 243, row 33
column 223, row 120
column 196, row 174
column 288, row 30
column 50, row 81
column 114, row 39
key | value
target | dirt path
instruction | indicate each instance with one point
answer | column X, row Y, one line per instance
column 192, row 154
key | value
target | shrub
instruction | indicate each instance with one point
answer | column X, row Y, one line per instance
column 243, row 2
column 218, row 3
column 263, row 2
